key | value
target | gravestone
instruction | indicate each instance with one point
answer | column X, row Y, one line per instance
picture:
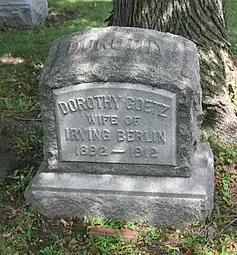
column 22, row 13
column 121, row 112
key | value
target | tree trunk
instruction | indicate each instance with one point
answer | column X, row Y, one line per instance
column 203, row 22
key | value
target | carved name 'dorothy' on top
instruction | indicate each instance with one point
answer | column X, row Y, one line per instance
column 114, row 44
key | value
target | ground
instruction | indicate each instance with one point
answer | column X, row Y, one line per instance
column 23, row 231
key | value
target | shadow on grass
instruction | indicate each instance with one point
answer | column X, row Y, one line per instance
column 64, row 18
column 23, row 51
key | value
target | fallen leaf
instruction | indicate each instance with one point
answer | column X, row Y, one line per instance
column 84, row 221
column 66, row 225
column 7, row 235
column 17, row 229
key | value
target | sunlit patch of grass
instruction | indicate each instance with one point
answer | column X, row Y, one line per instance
column 64, row 18
column 11, row 60
column 232, row 21
column 23, row 52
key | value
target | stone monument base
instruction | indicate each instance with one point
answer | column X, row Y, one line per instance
column 22, row 13
column 161, row 201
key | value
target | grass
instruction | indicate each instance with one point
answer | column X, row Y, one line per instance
column 23, row 52
column 232, row 28
column 23, row 231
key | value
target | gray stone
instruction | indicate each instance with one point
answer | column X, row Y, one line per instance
column 158, row 60
column 116, row 123
column 153, row 200
column 22, row 13
column 121, row 112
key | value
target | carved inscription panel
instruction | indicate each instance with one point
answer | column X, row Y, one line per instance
column 116, row 123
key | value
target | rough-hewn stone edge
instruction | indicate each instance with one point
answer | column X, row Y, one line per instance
column 49, row 62
column 158, row 201
column 188, row 88
column 187, row 72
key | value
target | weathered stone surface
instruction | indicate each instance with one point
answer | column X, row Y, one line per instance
column 116, row 123
column 116, row 55
column 22, row 13
column 121, row 111
column 158, row 201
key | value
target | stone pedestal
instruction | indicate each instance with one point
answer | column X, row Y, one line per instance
column 121, row 112
column 22, row 13
column 161, row 201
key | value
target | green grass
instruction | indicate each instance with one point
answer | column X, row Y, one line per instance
column 23, row 231
column 65, row 17
column 24, row 51
column 232, row 25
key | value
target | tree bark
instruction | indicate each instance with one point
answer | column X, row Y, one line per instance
column 203, row 22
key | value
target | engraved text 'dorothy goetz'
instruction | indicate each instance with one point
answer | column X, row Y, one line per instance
column 102, row 102
column 112, row 44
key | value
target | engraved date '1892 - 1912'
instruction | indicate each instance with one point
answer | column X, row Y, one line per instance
column 101, row 150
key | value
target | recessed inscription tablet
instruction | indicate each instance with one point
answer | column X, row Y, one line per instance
column 116, row 123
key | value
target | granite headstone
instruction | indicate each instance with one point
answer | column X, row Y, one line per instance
column 121, row 112
column 22, row 13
